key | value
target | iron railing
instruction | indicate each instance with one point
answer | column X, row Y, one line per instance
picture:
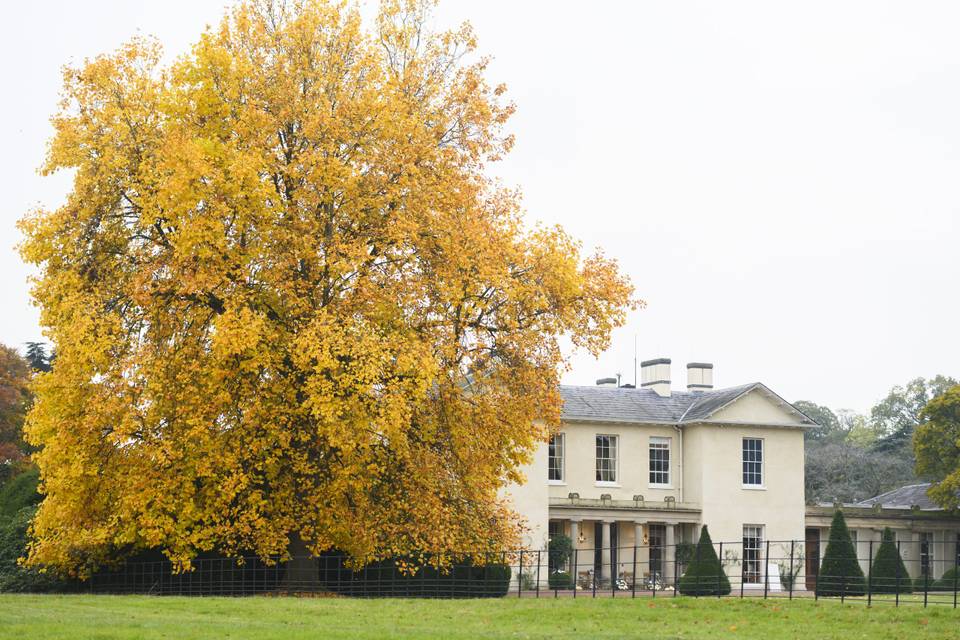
column 772, row 569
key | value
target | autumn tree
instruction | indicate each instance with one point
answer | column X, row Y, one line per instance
column 14, row 401
column 896, row 417
column 288, row 303
column 936, row 445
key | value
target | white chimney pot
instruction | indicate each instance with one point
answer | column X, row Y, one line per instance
column 699, row 376
column 655, row 374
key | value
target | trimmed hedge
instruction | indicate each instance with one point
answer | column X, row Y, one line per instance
column 384, row 578
column 888, row 574
column 704, row 575
column 560, row 580
column 840, row 572
column 947, row 582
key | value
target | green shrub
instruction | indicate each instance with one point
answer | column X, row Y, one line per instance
column 559, row 550
column 13, row 545
column 528, row 579
column 888, row 574
column 560, row 580
column 948, row 582
column 840, row 572
column 924, row 583
column 19, row 492
column 704, row 576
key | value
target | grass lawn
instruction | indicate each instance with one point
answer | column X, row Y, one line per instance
column 45, row 617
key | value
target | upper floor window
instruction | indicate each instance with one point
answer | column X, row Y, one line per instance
column 555, row 458
column 660, row 461
column 753, row 462
column 606, row 458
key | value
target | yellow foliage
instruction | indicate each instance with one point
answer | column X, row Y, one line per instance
column 287, row 300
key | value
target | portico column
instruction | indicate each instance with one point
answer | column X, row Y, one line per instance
column 574, row 535
column 605, row 552
column 637, row 533
column 669, row 552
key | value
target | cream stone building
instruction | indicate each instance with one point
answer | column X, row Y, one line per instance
column 648, row 466
column 644, row 468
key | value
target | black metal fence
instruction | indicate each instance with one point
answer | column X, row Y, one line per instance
column 769, row 569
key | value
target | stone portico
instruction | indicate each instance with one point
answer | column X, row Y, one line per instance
column 622, row 539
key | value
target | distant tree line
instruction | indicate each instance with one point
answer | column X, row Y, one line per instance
column 852, row 456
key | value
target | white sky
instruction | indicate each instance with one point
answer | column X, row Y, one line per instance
column 780, row 180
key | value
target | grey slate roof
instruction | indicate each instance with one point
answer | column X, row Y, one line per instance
column 903, row 498
column 612, row 404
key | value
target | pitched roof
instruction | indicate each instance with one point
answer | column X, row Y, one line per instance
column 903, row 498
column 645, row 406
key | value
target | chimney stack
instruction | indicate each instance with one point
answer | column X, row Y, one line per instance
column 699, row 376
column 655, row 374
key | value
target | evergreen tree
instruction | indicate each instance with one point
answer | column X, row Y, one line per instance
column 888, row 573
column 840, row 572
column 704, row 576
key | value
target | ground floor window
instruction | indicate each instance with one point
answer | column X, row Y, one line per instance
column 656, row 538
column 752, row 544
column 926, row 554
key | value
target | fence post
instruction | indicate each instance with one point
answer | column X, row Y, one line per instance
column 870, row 575
column 897, row 598
column 633, row 587
column 576, row 568
column 556, row 582
column 520, row 574
column 843, row 581
column 696, row 589
column 676, row 569
column 720, row 558
column 956, row 569
column 594, row 572
column 793, row 574
column 539, row 560
column 766, row 570
column 743, row 569
column 613, row 572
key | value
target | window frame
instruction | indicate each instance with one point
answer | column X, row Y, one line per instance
column 744, row 462
column 927, row 557
column 756, row 573
column 563, row 459
column 614, row 439
column 659, row 441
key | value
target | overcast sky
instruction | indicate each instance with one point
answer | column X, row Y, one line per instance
column 780, row 181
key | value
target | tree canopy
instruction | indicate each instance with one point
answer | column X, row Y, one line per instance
column 288, row 301
column 936, row 445
column 852, row 456
column 897, row 415
column 14, row 402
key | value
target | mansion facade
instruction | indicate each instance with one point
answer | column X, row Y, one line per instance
column 646, row 467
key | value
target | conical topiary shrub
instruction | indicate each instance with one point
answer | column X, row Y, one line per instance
column 888, row 574
column 840, row 572
column 704, row 576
